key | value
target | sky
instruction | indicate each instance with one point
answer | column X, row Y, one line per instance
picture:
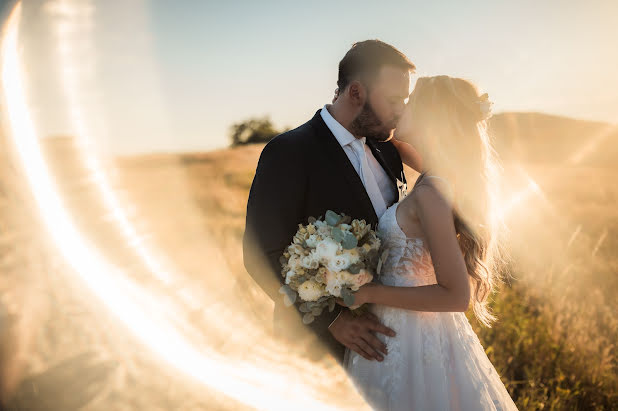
column 151, row 76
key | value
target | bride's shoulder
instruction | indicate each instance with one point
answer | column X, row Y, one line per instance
column 432, row 190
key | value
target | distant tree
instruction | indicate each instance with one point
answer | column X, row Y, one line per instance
column 253, row 130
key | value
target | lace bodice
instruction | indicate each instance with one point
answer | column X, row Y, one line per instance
column 436, row 361
column 408, row 262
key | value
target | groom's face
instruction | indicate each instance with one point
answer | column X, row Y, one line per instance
column 386, row 99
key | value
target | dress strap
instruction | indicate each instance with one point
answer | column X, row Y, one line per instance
column 419, row 179
column 441, row 178
column 424, row 175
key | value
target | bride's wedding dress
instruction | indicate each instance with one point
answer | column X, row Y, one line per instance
column 436, row 361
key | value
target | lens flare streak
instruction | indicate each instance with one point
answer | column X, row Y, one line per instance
column 256, row 387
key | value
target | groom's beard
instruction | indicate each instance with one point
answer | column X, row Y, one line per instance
column 367, row 124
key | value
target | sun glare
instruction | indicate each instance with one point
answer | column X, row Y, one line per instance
column 156, row 327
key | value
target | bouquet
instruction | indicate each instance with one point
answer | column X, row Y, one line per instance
column 326, row 260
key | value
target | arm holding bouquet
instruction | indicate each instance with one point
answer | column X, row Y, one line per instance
column 274, row 209
column 452, row 291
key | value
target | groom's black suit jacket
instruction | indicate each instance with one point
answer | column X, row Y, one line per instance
column 301, row 173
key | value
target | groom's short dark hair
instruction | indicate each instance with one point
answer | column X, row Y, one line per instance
column 366, row 58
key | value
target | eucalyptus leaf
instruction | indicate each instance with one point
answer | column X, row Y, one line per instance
column 285, row 289
column 348, row 297
column 355, row 268
column 332, row 218
column 308, row 318
column 291, row 294
column 331, row 305
column 350, row 300
column 287, row 301
column 304, row 308
column 349, row 241
column 317, row 311
column 337, row 234
column 293, row 297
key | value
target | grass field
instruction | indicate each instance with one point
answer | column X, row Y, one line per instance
column 554, row 343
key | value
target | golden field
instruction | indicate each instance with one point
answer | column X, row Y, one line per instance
column 554, row 343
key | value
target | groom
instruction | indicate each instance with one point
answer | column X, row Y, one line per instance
column 340, row 160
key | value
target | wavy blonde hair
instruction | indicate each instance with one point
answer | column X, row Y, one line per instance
column 454, row 144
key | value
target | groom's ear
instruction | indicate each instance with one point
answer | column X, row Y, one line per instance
column 357, row 92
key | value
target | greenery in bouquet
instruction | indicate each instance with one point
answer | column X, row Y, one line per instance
column 328, row 259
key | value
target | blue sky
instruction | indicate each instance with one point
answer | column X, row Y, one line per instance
column 166, row 75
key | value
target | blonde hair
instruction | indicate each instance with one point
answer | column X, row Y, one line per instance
column 450, row 116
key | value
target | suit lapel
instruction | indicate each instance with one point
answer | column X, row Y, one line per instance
column 335, row 154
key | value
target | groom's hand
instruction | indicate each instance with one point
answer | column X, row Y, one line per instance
column 357, row 333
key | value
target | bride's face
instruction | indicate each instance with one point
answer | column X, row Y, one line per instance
column 409, row 129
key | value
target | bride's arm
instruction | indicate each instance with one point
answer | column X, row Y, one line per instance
column 452, row 293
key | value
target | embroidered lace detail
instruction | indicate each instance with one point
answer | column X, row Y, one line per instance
column 435, row 361
column 408, row 262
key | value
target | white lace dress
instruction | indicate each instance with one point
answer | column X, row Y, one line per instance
column 436, row 361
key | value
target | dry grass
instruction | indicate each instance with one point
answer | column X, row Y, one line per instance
column 554, row 344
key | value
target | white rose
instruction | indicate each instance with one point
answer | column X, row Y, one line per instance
column 333, row 283
column 356, row 281
column 352, row 256
column 338, row 263
column 336, row 280
column 334, row 289
column 325, row 230
column 346, row 278
column 327, row 249
column 310, row 291
column 310, row 261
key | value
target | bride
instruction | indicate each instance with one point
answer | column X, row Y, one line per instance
column 439, row 247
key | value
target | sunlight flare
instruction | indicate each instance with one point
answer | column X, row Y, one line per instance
column 143, row 315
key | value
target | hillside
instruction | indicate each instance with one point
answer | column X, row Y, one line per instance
column 553, row 345
column 543, row 138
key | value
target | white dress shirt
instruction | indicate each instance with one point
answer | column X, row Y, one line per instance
column 386, row 193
